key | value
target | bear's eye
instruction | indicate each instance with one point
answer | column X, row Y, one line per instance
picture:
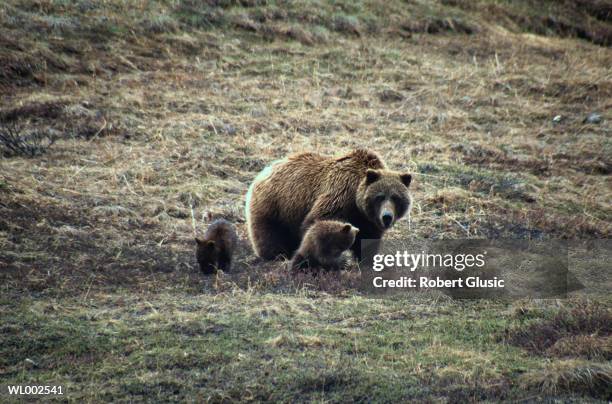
column 379, row 197
column 397, row 199
column 400, row 204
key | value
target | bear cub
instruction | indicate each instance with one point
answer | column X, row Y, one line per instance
column 216, row 248
column 323, row 245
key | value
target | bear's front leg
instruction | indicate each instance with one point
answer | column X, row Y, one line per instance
column 364, row 249
column 272, row 239
column 298, row 263
column 225, row 263
column 340, row 264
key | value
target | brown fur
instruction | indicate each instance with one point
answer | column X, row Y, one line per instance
column 323, row 245
column 216, row 249
column 291, row 194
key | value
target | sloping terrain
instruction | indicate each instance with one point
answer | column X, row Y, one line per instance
column 122, row 124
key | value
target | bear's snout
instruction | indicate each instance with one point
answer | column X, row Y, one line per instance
column 387, row 214
column 387, row 219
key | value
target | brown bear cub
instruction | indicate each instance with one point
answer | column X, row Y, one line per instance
column 290, row 195
column 216, row 248
column 323, row 245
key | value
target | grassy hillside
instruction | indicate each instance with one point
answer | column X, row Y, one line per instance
column 124, row 123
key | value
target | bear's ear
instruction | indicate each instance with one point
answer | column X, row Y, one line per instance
column 347, row 228
column 372, row 176
column 205, row 243
column 406, row 179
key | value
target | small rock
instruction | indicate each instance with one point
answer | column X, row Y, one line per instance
column 593, row 118
column 314, row 101
column 347, row 92
column 30, row 363
column 524, row 192
column 259, row 112
column 557, row 119
column 229, row 129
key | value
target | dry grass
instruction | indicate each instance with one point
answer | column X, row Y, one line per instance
column 585, row 326
column 585, row 346
column 572, row 376
column 200, row 133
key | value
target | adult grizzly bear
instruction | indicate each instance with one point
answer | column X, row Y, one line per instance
column 291, row 194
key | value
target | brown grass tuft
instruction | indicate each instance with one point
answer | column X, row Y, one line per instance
column 584, row 346
column 296, row 341
column 45, row 110
column 572, row 376
column 585, row 328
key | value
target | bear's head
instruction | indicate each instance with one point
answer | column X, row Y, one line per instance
column 336, row 237
column 383, row 197
column 207, row 255
column 332, row 237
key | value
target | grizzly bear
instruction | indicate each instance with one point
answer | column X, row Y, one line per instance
column 216, row 249
column 291, row 194
column 323, row 245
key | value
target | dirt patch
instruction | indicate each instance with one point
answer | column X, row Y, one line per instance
column 44, row 110
column 543, row 224
column 600, row 9
column 15, row 142
column 57, row 120
column 585, row 19
column 482, row 155
column 440, row 25
column 39, row 233
column 270, row 30
column 585, row 328
column 574, row 92
column 332, row 282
